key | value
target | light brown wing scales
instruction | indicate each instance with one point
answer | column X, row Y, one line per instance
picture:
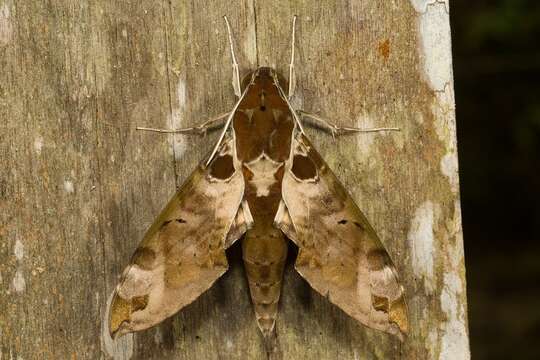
column 183, row 252
column 340, row 254
column 242, row 223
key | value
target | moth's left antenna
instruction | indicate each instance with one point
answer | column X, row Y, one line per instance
column 237, row 91
column 236, row 73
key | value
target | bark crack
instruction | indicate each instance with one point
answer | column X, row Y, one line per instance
column 101, row 220
column 256, row 32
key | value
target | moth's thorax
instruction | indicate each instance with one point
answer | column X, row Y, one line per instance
column 263, row 127
column 263, row 122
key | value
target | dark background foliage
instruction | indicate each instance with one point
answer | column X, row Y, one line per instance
column 496, row 46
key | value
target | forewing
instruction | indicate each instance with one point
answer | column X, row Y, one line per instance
column 183, row 252
column 339, row 253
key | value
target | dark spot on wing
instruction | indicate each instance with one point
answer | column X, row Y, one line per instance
column 139, row 303
column 380, row 303
column 342, row 222
column 222, row 167
column 360, row 226
column 144, row 258
column 262, row 108
column 181, row 221
column 165, row 223
column 303, row 168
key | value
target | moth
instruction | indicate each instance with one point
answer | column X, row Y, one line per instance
column 263, row 184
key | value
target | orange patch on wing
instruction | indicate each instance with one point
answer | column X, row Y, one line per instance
column 380, row 303
column 139, row 302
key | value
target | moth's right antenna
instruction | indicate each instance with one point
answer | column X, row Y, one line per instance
column 236, row 73
column 292, row 80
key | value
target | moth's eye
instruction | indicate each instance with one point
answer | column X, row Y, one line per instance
column 262, row 108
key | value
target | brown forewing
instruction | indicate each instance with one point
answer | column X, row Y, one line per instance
column 339, row 253
column 183, row 252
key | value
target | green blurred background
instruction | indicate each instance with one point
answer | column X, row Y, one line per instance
column 496, row 47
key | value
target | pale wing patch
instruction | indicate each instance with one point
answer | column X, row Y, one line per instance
column 138, row 282
column 284, row 222
column 263, row 169
column 242, row 223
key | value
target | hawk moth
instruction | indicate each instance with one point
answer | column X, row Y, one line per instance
column 263, row 183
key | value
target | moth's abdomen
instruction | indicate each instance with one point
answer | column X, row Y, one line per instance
column 264, row 253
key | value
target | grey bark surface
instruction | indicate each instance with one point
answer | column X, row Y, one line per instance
column 79, row 186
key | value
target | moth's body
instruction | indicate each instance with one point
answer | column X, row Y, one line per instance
column 266, row 184
column 263, row 126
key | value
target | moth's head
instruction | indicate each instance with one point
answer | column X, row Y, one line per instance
column 264, row 77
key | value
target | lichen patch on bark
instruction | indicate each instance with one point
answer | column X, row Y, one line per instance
column 435, row 45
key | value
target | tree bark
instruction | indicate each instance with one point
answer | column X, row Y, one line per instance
column 79, row 186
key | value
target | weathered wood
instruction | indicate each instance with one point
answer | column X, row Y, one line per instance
column 79, row 185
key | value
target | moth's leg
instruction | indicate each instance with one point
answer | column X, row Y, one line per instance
column 292, row 79
column 334, row 129
column 236, row 73
column 210, row 124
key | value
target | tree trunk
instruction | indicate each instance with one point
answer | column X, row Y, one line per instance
column 79, row 186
